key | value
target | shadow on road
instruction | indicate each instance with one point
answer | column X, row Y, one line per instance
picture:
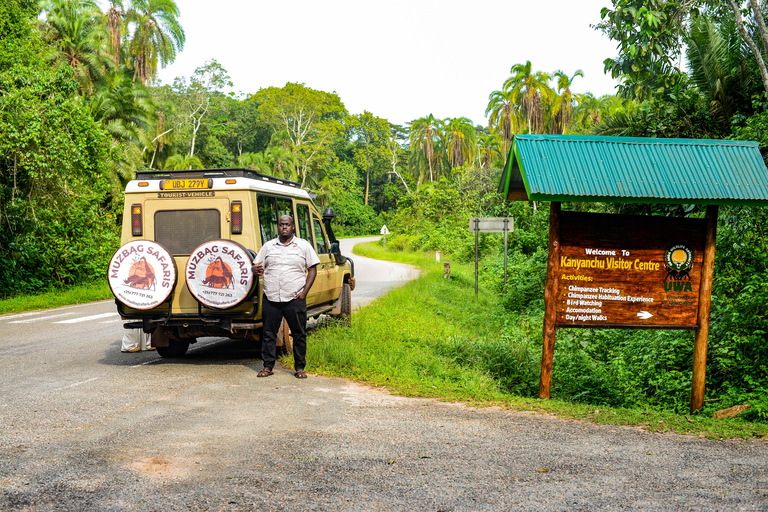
column 207, row 351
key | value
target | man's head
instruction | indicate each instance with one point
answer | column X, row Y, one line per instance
column 285, row 228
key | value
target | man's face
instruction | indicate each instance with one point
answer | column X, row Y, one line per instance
column 285, row 226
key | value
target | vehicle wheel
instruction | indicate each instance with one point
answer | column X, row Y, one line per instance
column 345, row 318
column 175, row 348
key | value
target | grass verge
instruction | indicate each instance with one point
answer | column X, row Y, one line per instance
column 432, row 338
column 98, row 290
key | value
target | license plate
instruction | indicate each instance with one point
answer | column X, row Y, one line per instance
column 186, row 184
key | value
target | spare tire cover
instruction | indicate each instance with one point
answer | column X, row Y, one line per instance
column 142, row 274
column 219, row 275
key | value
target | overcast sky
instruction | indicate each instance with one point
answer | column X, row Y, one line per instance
column 398, row 59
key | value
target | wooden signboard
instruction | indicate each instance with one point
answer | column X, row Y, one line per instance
column 628, row 271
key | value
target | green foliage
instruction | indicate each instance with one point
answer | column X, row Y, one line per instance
column 648, row 36
column 344, row 194
column 58, row 217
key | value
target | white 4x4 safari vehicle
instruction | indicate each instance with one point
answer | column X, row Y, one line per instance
column 188, row 242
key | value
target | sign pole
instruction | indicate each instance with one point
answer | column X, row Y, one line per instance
column 506, row 231
column 698, row 384
column 477, row 236
column 550, row 301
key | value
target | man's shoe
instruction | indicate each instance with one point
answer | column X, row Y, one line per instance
column 266, row 372
column 134, row 349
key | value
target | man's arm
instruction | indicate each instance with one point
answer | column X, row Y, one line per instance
column 311, row 274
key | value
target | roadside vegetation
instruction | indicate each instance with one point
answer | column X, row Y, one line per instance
column 432, row 338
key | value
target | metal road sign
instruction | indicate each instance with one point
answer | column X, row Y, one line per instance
column 491, row 224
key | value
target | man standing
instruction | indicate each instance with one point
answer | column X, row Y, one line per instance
column 288, row 266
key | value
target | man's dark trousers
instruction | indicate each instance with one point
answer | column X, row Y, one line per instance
column 272, row 314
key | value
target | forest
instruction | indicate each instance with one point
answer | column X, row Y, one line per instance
column 82, row 110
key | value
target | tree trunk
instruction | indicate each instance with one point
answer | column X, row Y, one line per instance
column 750, row 41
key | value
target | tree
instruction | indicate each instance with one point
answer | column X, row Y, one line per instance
column 115, row 29
column 757, row 15
column 72, row 27
column 254, row 161
column 562, row 107
column 648, row 33
column 182, row 162
column 370, row 136
column 488, row 149
column 460, row 140
column 310, row 119
column 207, row 81
column 56, row 212
column 529, row 90
column 281, row 161
column 157, row 36
column 717, row 65
column 425, row 136
column 395, row 150
column 503, row 115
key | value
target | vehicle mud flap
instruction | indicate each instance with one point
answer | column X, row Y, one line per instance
column 218, row 274
column 284, row 342
column 160, row 337
column 142, row 274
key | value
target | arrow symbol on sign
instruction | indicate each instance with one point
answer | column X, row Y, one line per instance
column 644, row 315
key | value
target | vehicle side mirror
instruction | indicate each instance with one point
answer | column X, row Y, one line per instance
column 336, row 253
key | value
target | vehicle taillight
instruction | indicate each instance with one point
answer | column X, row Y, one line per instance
column 136, row 224
column 237, row 217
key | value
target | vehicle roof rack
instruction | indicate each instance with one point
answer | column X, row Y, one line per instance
column 213, row 173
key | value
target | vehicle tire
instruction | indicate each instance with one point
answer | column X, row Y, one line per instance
column 345, row 318
column 175, row 348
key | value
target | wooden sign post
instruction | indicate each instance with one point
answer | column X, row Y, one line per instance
column 626, row 271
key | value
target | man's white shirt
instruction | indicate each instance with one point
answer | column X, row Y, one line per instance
column 285, row 267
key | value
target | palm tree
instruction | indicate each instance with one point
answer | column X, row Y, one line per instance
column 489, row 149
column 115, row 25
column 182, row 162
column 282, row 161
column 157, row 36
column 72, row 27
column 504, row 113
column 460, row 140
column 717, row 64
column 425, row 136
column 529, row 90
column 254, row 161
column 562, row 106
column 126, row 111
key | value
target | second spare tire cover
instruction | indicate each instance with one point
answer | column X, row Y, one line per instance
column 142, row 274
column 219, row 275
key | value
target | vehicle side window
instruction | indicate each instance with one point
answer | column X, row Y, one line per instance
column 267, row 219
column 302, row 223
column 270, row 209
column 321, row 243
column 284, row 207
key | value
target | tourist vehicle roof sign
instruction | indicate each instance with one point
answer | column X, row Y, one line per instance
column 634, row 170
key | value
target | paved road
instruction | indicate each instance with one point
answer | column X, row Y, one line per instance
column 377, row 276
column 84, row 427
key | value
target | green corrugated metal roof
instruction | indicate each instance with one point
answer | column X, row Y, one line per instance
column 626, row 169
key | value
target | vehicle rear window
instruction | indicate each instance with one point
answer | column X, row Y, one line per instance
column 181, row 231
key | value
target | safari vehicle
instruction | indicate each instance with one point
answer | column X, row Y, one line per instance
column 188, row 241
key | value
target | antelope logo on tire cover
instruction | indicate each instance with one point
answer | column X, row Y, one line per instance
column 219, row 274
column 142, row 274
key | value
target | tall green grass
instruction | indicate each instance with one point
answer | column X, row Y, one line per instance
column 97, row 290
column 433, row 338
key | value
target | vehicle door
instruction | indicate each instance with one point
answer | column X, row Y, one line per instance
column 326, row 270
column 181, row 226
